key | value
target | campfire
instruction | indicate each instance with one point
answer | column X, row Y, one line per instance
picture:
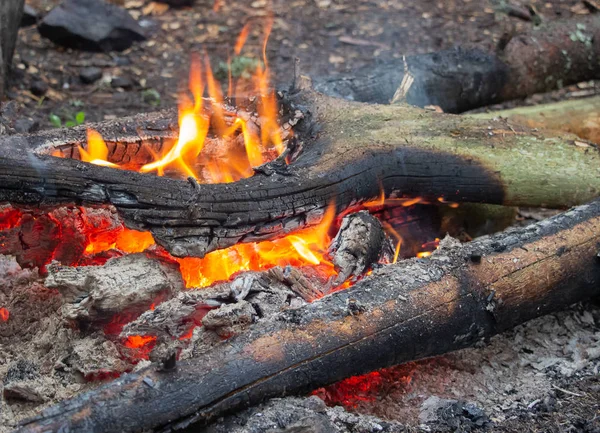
column 260, row 243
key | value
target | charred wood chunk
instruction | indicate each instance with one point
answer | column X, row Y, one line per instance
column 230, row 319
column 360, row 243
column 124, row 284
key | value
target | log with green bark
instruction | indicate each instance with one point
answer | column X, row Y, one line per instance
column 343, row 152
column 402, row 312
column 547, row 57
column 578, row 116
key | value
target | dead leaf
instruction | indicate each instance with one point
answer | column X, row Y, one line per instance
column 154, row 8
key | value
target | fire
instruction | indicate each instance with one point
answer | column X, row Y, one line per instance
column 97, row 151
column 4, row 314
column 201, row 117
column 303, row 248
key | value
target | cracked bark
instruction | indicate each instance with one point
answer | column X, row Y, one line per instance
column 349, row 152
column 413, row 309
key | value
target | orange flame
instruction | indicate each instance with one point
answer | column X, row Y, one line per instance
column 262, row 140
column 4, row 314
column 97, row 150
column 241, row 40
column 305, row 247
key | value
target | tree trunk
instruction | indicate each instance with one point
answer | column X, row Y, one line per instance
column 548, row 57
column 414, row 309
column 350, row 151
column 577, row 116
column 10, row 18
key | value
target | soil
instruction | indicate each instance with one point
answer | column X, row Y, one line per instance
column 541, row 362
column 326, row 36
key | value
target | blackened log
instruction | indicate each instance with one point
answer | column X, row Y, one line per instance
column 350, row 151
column 10, row 17
column 556, row 54
column 413, row 309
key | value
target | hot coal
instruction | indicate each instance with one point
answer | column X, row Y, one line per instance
column 91, row 25
column 222, row 310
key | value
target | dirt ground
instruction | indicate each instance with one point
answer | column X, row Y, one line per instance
column 327, row 36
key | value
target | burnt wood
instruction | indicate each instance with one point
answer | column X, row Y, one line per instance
column 413, row 309
column 348, row 153
column 556, row 54
column 10, row 18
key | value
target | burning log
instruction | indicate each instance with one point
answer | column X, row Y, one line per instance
column 548, row 57
column 343, row 152
column 413, row 309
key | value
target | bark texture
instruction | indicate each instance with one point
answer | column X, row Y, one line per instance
column 578, row 116
column 10, row 18
column 414, row 309
column 348, row 152
column 556, row 54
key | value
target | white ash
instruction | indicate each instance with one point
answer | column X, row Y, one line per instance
column 300, row 415
column 123, row 283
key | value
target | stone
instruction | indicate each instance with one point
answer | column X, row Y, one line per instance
column 122, row 82
column 25, row 125
column 91, row 25
column 39, row 88
column 90, row 74
column 30, row 16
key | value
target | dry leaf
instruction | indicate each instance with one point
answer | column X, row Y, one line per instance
column 154, row 8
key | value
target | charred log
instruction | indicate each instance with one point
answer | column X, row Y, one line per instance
column 414, row 309
column 349, row 152
column 548, row 57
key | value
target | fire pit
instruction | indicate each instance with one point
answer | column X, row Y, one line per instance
column 177, row 267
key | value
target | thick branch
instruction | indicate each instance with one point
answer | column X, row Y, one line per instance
column 414, row 309
column 350, row 151
column 556, row 54
column 577, row 116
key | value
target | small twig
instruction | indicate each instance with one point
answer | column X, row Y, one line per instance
column 564, row 391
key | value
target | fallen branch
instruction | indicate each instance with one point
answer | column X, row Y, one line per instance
column 578, row 116
column 556, row 54
column 411, row 310
column 350, row 151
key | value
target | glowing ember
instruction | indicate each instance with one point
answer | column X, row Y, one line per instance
column 350, row 392
column 4, row 314
column 138, row 341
